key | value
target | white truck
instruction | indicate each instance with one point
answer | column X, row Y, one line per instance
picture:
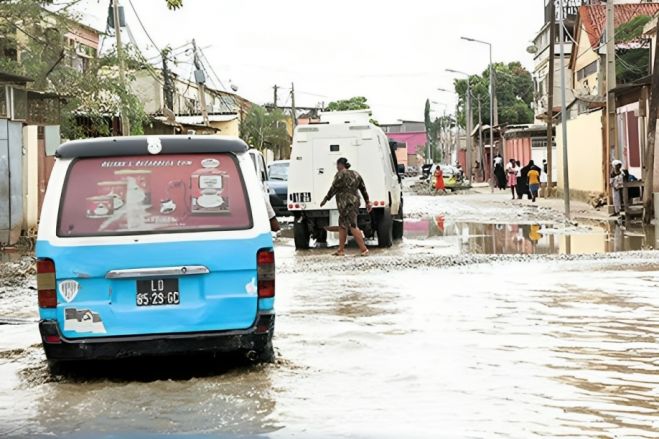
column 316, row 148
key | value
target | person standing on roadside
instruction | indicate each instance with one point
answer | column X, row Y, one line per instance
column 617, row 185
column 346, row 187
column 511, row 171
column 439, row 180
column 533, row 177
column 522, row 186
column 499, row 172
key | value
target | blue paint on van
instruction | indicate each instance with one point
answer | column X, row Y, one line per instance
column 267, row 304
column 218, row 301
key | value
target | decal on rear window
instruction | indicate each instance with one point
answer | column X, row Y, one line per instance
column 147, row 194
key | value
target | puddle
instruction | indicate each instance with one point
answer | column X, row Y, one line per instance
column 477, row 238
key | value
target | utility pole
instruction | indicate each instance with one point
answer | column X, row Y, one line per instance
column 550, row 98
column 481, row 148
column 447, row 138
column 494, row 113
column 274, row 101
column 293, row 110
column 470, row 127
column 649, row 160
column 494, row 117
column 611, row 120
column 200, row 79
column 566, row 173
column 125, row 121
column 168, row 89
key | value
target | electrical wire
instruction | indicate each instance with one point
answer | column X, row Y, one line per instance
column 205, row 64
column 38, row 40
column 139, row 20
column 149, row 68
column 608, row 37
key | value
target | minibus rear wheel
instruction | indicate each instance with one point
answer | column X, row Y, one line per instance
column 266, row 354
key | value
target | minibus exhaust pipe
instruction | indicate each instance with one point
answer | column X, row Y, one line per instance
column 251, row 355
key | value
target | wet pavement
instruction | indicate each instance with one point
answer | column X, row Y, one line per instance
column 535, row 238
column 405, row 345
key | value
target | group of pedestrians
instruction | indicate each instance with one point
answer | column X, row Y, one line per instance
column 521, row 180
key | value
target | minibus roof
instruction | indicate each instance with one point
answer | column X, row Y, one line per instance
column 160, row 145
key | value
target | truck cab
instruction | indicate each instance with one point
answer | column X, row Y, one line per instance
column 316, row 149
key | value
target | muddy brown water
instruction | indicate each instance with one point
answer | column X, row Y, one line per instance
column 528, row 238
column 513, row 351
column 447, row 236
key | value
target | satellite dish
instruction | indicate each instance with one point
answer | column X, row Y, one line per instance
column 234, row 87
column 532, row 49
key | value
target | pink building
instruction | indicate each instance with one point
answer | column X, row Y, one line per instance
column 415, row 143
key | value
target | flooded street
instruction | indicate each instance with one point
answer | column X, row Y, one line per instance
column 511, row 329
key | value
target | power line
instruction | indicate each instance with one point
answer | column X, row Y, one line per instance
column 637, row 8
column 207, row 66
column 210, row 67
column 139, row 20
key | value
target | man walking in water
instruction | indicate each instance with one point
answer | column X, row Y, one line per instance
column 346, row 187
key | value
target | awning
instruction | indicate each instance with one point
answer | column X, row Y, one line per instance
column 199, row 120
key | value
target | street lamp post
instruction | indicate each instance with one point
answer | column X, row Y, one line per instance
column 566, row 174
column 494, row 116
column 469, row 121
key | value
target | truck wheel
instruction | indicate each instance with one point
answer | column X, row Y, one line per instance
column 301, row 235
column 385, row 229
column 399, row 225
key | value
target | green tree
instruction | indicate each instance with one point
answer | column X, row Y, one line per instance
column 174, row 4
column 632, row 63
column 355, row 103
column 435, row 129
column 431, row 132
column 263, row 129
column 352, row 104
column 514, row 88
column 43, row 55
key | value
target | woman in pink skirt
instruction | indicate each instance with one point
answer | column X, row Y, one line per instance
column 512, row 175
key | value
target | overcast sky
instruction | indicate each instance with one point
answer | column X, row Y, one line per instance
column 393, row 52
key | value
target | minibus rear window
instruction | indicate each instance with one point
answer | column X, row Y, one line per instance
column 153, row 194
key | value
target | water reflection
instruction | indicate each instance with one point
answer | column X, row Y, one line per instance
column 479, row 238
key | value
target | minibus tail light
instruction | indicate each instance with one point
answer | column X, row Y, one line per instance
column 265, row 260
column 47, row 296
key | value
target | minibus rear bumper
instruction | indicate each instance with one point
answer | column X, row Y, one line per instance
column 57, row 347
